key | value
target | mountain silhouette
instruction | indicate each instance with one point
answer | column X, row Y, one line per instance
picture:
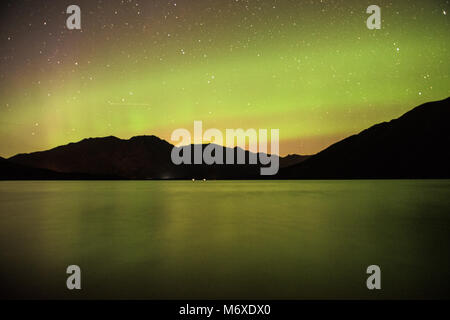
column 292, row 159
column 138, row 157
column 13, row 171
column 141, row 157
column 416, row 145
column 412, row 146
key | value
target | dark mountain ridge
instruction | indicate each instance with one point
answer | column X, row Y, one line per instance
column 415, row 145
column 141, row 157
column 133, row 158
column 13, row 171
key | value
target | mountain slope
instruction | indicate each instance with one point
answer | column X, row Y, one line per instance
column 412, row 146
column 142, row 157
column 292, row 159
column 14, row 171
column 416, row 145
column 145, row 156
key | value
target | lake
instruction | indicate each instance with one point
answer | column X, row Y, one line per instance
column 225, row 239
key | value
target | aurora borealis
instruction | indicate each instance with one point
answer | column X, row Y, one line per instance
column 309, row 68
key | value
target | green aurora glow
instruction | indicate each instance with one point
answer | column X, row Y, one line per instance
column 309, row 68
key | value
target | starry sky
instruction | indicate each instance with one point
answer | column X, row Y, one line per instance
column 311, row 69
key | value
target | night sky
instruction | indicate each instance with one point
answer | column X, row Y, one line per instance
column 309, row 68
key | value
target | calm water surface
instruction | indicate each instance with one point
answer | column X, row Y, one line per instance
column 225, row 239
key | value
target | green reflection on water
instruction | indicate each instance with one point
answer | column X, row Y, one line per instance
column 225, row 239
